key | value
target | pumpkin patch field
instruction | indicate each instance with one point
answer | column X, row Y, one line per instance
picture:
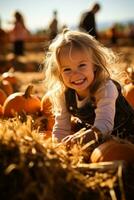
column 34, row 168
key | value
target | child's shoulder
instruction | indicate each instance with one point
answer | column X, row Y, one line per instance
column 108, row 89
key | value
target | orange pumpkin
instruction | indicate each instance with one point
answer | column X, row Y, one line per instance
column 46, row 110
column 6, row 86
column 1, row 110
column 113, row 150
column 129, row 93
column 3, row 97
column 21, row 101
column 48, row 134
column 9, row 76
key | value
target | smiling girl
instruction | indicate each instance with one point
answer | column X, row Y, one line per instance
column 80, row 85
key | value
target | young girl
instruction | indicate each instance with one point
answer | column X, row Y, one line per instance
column 19, row 34
column 80, row 85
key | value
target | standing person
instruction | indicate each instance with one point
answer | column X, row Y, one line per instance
column 19, row 34
column 114, row 35
column 53, row 27
column 80, row 85
column 3, row 40
column 88, row 22
column 131, row 32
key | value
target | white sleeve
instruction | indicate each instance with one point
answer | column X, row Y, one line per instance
column 62, row 126
column 105, row 111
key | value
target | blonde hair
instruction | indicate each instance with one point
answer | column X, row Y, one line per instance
column 102, row 58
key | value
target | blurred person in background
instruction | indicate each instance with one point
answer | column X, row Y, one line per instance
column 19, row 34
column 88, row 22
column 3, row 39
column 53, row 26
column 131, row 32
column 114, row 34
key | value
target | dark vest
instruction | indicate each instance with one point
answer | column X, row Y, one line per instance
column 124, row 116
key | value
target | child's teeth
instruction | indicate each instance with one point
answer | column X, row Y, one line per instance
column 79, row 81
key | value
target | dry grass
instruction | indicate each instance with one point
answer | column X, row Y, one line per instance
column 34, row 168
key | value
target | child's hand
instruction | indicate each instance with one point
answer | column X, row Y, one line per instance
column 83, row 137
column 73, row 138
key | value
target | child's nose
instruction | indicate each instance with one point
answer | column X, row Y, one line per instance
column 75, row 72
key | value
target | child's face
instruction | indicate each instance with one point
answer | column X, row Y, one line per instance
column 77, row 70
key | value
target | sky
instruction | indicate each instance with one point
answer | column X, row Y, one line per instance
column 38, row 13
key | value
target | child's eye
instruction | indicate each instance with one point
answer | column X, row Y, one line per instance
column 66, row 70
column 82, row 65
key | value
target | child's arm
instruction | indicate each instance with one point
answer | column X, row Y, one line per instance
column 106, row 107
column 62, row 126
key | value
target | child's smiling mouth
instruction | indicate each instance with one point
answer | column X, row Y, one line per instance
column 78, row 82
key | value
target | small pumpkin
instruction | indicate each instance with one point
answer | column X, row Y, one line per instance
column 9, row 76
column 129, row 86
column 113, row 150
column 3, row 97
column 1, row 110
column 6, row 86
column 46, row 110
column 21, row 101
column 129, row 93
column 48, row 134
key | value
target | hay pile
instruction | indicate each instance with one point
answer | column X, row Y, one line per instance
column 32, row 168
